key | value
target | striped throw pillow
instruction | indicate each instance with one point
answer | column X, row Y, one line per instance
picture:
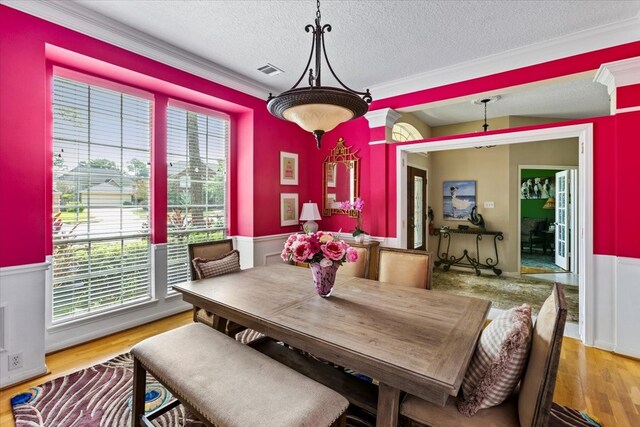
column 498, row 362
column 228, row 263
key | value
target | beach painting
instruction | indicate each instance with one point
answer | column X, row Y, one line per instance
column 458, row 198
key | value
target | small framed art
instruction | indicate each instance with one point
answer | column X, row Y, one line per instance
column 288, row 168
column 288, row 209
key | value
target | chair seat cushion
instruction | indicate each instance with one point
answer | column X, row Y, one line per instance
column 498, row 362
column 228, row 263
column 504, row 415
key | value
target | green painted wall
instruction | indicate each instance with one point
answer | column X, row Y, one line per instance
column 532, row 208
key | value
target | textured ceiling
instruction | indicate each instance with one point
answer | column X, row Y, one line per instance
column 374, row 43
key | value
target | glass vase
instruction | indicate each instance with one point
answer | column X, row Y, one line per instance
column 324, row 278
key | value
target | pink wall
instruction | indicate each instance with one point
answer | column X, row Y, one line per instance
column 257, row 139
column 28, row 48
column 615, row 161
column 628, row 96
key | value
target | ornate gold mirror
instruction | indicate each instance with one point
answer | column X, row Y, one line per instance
column 341, row 180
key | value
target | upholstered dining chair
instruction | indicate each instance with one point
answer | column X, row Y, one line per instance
column 360, row 268
column 530, row 406
column 210, row 250
column 405, row 267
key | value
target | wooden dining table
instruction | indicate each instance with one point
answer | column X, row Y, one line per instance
column 412, row 340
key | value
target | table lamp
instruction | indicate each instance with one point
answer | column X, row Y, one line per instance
column 310, row 213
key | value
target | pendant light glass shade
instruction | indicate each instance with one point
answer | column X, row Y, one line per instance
column 318, row 109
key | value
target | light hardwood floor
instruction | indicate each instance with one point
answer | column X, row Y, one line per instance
column 604, row 384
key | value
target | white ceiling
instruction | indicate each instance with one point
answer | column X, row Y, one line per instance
column 373, row 43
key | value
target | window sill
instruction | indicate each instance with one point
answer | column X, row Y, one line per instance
column 92, row 318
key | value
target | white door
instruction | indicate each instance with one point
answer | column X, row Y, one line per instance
column 573, row 220
column 562, row 242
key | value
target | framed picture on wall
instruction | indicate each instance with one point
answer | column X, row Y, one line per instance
column 288, row 168
column 538, row 188
column 288, row 209
column 458, row 198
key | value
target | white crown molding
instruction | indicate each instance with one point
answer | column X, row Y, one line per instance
column 22, row 269
column 384, row 117
column 581, row 42
column 73, row 16
column 605, row 76
column 619, row 73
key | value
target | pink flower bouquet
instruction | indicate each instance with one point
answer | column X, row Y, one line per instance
column 321, row 248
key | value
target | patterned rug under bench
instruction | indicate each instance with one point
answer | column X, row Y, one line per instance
column 100, row 396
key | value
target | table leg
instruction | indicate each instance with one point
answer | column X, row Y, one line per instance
column 388, row 406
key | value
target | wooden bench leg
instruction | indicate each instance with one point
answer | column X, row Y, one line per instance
column 341, row 422
column 139, row 391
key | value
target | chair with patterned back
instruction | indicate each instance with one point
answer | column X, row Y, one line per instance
column 360, row 268
column 405, row 267
column 210, row 251
column 530, row 406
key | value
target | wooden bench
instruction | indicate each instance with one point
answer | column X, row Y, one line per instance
column 226, row 383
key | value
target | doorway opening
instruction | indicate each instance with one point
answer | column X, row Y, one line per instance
column 584, row 240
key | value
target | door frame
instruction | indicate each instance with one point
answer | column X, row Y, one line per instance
column 584, row 133
column 550, row 167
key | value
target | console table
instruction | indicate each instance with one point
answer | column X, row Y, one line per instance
column 465, row 260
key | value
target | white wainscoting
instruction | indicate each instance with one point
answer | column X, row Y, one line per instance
column 627, row 311
column 161, row 305
column 22, row 294
column 604, row 274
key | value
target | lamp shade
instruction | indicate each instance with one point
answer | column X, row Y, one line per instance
column 310, row 212
column 550, row 204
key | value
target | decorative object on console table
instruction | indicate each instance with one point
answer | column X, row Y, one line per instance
column 323, row 252
column 475, row 218
column 466, row 260
column 357, row 205
column 310, row 213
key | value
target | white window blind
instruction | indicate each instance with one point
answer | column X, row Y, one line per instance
column 101, row 250
column 197, row 150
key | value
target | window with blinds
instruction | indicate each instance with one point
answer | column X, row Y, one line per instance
column 101, row 249
column 197, row 151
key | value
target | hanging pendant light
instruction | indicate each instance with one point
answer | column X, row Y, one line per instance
column 319, row 109
column 485, row 101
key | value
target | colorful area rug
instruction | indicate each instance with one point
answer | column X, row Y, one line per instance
column 503, row 291
column 100, row 396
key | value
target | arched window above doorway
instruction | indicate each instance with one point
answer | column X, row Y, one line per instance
column 402, row 132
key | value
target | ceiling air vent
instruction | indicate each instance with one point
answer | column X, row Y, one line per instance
column 270, row 70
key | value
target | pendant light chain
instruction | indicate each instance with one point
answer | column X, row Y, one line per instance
column 485, row 125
